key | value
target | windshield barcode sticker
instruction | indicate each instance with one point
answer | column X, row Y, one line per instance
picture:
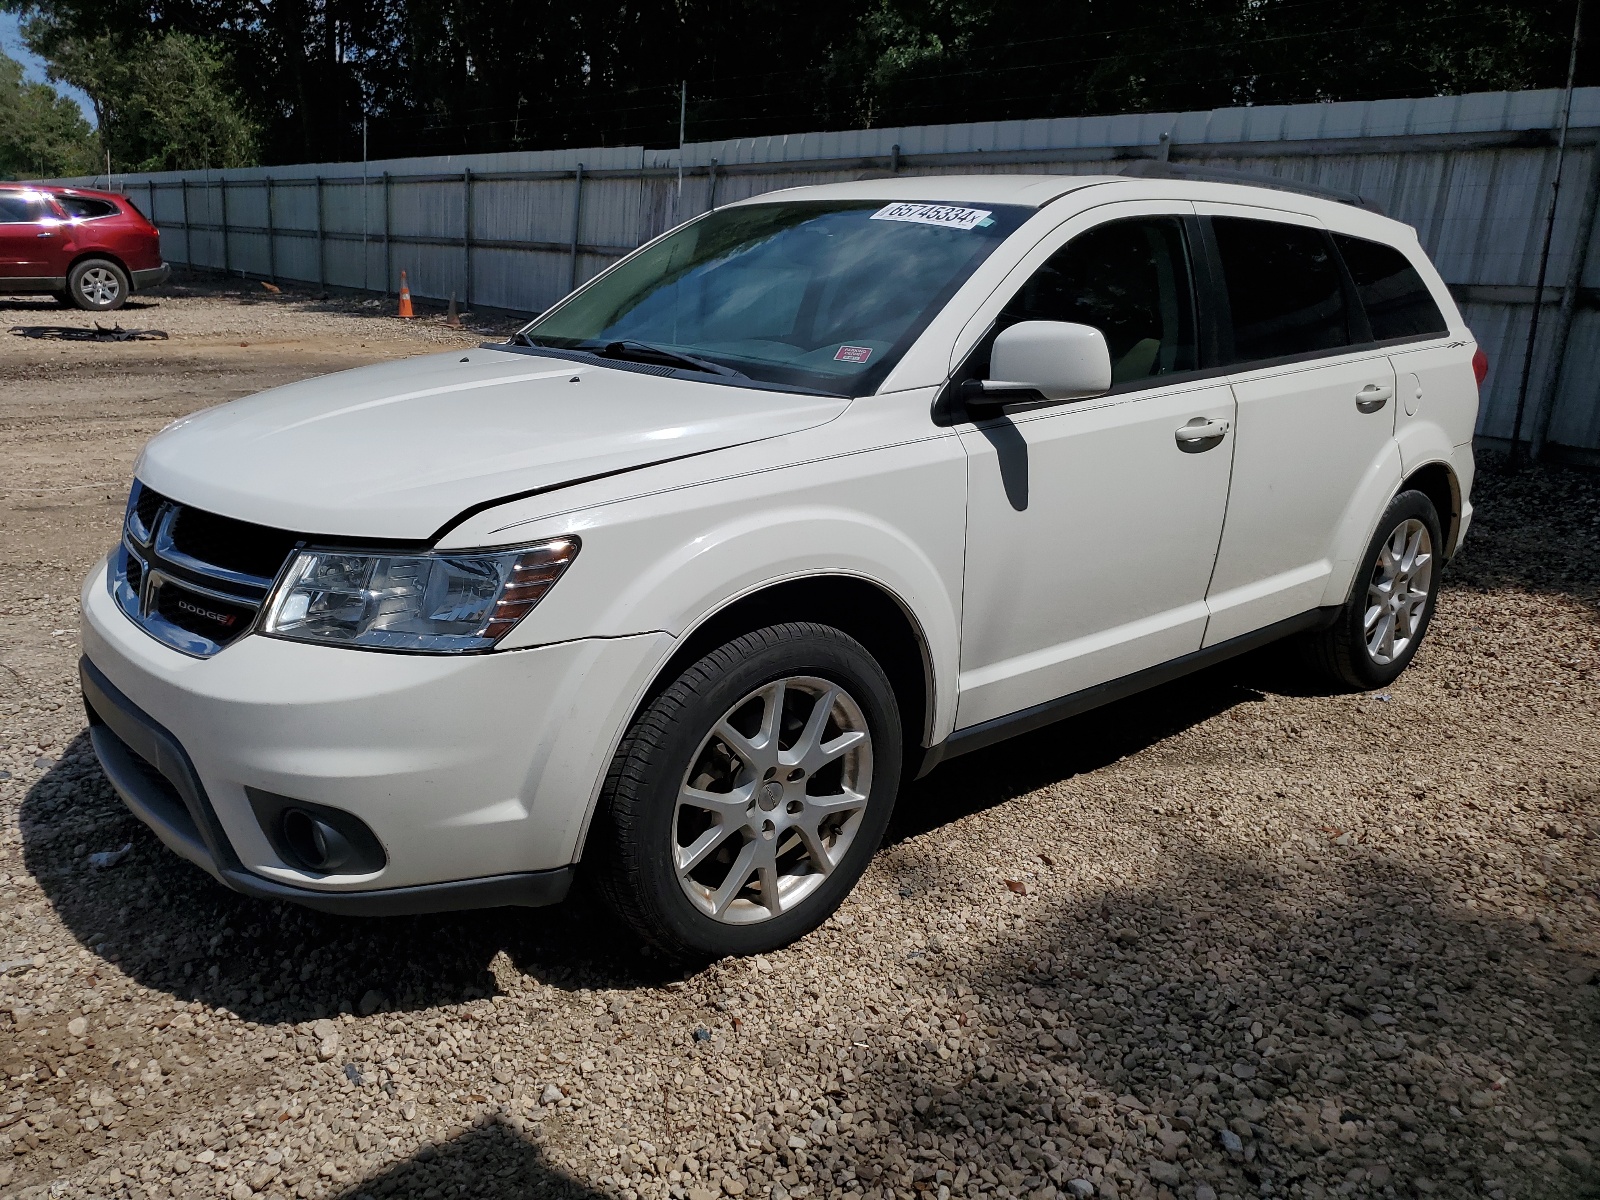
column 946, row 215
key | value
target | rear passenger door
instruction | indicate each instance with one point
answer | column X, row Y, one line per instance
column 1315, row 413
column 1433, row 380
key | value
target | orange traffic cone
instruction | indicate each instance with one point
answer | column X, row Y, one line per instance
column 405, row 298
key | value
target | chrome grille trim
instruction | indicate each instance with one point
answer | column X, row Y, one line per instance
column 163, row 572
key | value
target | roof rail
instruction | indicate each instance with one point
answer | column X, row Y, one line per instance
column 1160, row 169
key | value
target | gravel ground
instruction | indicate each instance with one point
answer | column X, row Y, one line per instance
column 1233, row 937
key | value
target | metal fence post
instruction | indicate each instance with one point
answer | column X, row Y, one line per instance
column 388, row 256
column 577, row 217
column 466, row 237
column 188, row 233
column 272, row 237
column 1569, row 307
column 222, row 202
column 322, row 266
column 711, row 196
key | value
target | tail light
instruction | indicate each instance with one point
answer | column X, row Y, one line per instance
column 1480, row 365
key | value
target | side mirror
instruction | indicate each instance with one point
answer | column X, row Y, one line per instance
column 1059, row 360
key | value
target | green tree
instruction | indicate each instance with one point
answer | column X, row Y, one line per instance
column 163, row 103
column 42, row 134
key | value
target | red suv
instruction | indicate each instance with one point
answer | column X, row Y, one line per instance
column 87, row 248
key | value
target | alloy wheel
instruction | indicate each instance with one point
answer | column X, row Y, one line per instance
column 1397, row 596
column 772, row 800
column 99, row 285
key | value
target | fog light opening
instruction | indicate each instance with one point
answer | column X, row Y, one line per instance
column 316, row 843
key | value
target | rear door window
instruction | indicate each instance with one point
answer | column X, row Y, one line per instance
column 1285, row 290
column 1397, row 301
column 86, row 207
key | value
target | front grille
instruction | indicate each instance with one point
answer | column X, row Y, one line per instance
column 193, row 579
column 144, row 506
column 233, row 545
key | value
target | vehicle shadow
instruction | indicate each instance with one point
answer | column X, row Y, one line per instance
column 46, row 305
column 171, row 927
column 491, row 1161
column 1340, row 1029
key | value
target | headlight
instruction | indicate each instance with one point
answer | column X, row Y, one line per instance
column 429, row 603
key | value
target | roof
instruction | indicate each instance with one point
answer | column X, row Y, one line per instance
column 56, row 189
column 1033, row 191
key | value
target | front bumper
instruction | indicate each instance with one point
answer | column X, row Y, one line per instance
column 476, row 773
column 151, row 277
column 156, row 780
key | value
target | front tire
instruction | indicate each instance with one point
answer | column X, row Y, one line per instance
column 1377, row 632
column 97, row 285
column 749, row 796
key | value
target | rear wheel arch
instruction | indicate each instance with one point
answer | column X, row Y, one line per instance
column 1438, row 482
column 110, row 257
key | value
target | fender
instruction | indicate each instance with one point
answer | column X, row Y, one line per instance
column 1359, row 521
column 671, row 572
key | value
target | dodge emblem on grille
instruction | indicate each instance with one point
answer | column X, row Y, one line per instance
column 223, row 619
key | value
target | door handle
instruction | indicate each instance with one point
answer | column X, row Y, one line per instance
column 46, row 233
column 1201, row 433
column 1373, row 397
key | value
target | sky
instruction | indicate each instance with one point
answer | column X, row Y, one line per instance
column 33, row 66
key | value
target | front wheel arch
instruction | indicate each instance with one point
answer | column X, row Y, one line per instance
column 866, row 611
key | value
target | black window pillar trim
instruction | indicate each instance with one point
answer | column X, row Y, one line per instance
column 1218, row 312
column 1358, row 324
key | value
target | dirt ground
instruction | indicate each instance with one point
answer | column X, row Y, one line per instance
column 1236, row 937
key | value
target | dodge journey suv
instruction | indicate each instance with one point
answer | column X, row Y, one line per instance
column 786, row 507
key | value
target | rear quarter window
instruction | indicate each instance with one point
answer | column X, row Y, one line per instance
column 86, row 207
column 1396, row 300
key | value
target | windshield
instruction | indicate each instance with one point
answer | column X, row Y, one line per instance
column 814, row 294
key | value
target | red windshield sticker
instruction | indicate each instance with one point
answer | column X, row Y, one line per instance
column 855, row 354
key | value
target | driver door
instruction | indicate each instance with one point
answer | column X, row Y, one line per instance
column 30, row 236
column 1093, row 525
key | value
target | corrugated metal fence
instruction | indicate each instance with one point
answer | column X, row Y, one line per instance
column 518, row 230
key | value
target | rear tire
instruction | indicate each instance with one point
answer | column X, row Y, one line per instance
column 1376, row 634
column 97, row 285
column 749, row 796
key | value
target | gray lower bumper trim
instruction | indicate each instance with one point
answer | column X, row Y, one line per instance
column 153, row 277
column 153, row 775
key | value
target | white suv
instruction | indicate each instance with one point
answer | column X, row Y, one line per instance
column 790, row 504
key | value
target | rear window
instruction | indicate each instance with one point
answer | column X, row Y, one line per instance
column 19, row 208
column 1284, row 289
column 1396, row 300
column 86, row 207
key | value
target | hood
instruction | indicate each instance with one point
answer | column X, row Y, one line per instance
column 399, row 449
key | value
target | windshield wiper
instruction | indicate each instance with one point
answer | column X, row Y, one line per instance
column 632, row 351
